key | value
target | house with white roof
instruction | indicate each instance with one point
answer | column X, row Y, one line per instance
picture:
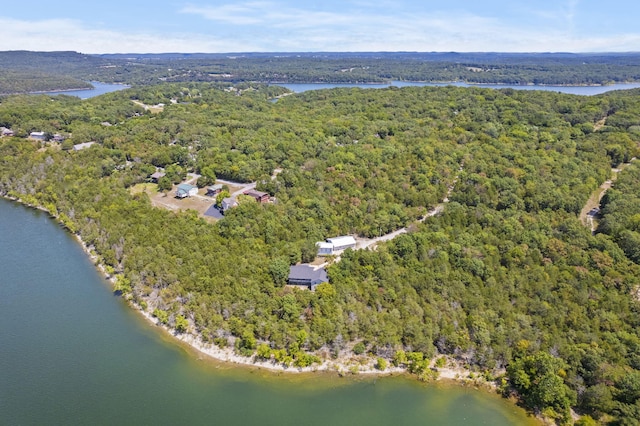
column 335, row 245
column 39, row 136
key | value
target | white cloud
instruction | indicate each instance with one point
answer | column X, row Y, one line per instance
column 267, row 26
column 269, row 15
column 63, row 34
column 235, row 14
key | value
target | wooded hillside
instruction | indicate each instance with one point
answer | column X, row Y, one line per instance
column 24, row 71
column 506, row 277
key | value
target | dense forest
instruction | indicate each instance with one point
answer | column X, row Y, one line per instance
column 506, row 279
column 65, row 70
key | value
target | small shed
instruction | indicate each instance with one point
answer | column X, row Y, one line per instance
column 214, row 190
column 307, row 275
column 185, row 190
column 261, row 197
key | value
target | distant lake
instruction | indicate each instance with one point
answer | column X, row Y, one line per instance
column 71, row 353
column 98, row 89
column 575, row 90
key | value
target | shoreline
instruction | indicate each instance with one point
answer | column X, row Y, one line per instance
column 353, row 365
column 79, row 89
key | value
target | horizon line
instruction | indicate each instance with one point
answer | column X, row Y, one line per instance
column 626, row 52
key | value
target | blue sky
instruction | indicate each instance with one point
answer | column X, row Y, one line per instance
column 143, row 26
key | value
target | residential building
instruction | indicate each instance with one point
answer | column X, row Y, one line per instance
column 185, row 190
column 228, row 203
column 39, row 136
column 342, row 243
column 214, row 190
column 155, row 177
column 324, row 248
column 335, row 245
column 307, row 275
column 261, row 197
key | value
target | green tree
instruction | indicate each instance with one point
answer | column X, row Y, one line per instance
column 538, row 378
column 181, row 324
column 164, row 184
column 221, row 196
column 207, row 176
column 279, row 270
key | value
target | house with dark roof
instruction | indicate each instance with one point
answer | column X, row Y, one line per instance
column 261, row 197
column 58, row 138
column 214, row 190
column 155, row 177
column 307, row 276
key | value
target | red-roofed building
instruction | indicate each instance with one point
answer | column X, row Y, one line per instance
column 261, row 197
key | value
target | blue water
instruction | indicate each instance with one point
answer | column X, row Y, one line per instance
column 102, row 88
column 71, row 353
column 574, row 90
column 98, row 89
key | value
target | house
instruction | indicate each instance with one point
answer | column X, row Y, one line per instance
column 214, row 190
column 307, row 275
column 185, row 190
column 39, row 136
column 261, row 197
column 157, row 176
column 228, row 203
column 58, row 138
column 342, row 243
column 324, row 248
column 335, row 245
column 6, row 132
column 81, row 146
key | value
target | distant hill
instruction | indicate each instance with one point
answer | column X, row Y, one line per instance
column 26, row 71
column 628, row 58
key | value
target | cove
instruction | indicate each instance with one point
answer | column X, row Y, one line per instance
column 73, row 353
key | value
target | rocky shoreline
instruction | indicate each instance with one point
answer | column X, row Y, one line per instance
column 342, row 365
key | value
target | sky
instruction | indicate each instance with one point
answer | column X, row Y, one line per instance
column 142, row 26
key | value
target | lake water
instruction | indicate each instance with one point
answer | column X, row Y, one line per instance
column 98, row 89
column 102, row 88
column 575, row 90
column 71, row 353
